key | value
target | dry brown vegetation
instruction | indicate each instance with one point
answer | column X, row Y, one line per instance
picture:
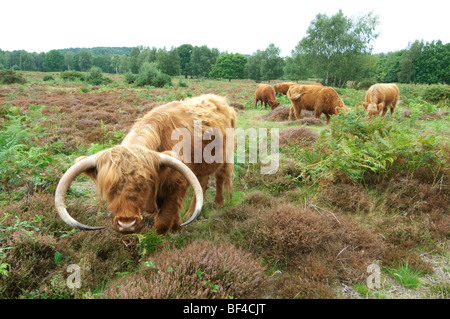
column 281, row 236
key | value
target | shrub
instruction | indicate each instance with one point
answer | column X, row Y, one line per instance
column 48, row 77
column 22, row 162
column 10, row 77
column 436, row 94
column 150, row 75
column 200, row 270
column 357, row 146
column 95, row 77
column 71, row 75
column 129, row 78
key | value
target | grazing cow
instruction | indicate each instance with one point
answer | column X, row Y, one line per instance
column 282, row 88
column 266, row 94
column 317, row 98
column 140, row 176
column 380, row 97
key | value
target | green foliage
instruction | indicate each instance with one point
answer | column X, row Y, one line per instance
column 408, row 277
column 48, row 77
column 433, row 64
column 202, row 60
column 10, row 77
column 265, row 65
column 53, row 61
column 337, row 47
column 150, row 75
column 437, row 93
column 229, row 66
column 357, row 146
column 149, row 243
column 71, row 76
column 95, row 77
column 22, row 162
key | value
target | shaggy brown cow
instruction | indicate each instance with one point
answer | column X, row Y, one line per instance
column 140, row 176
column 317, row 98
column 282, row 88
column 381, row 97
column 266, row 94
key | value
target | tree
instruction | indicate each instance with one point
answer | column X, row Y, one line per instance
column 265, row 65
column 85, row 60
column 133, row 60
column 433, row 64
column 68, row 59
column 115, row 63
column 296, row 68
column 335, row 47
column 27, row 62
column 407, row 60
column 272, row 64
column 229, row 66
column 253, row 67
column 202, row 60
column 103, row 62
column 53, row 61
column 168, row 62
column 185, row 52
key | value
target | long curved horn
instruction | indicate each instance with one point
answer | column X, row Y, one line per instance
column 172, row 162
column 63, row 186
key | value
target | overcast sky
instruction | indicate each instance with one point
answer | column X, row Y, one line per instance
column 241, row 26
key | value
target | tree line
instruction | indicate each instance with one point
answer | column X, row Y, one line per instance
column 335, row 50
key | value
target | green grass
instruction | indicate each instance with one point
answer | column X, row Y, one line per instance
column 408, row 277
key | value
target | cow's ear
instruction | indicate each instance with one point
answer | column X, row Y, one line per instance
column 91, row 172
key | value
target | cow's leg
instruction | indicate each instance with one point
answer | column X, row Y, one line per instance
column 291, row 112
column 384, row 108
column 318, row 112
column 393, row 105
column 223, row 178
column 297, row 111
column 203, row 180
column 168, row 216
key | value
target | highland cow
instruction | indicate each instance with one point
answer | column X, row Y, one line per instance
column 316, row 98
column 282, row 88
column 266, row 94
column 379, row 98
column 141, row 176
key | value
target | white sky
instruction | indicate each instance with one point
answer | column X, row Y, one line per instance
column 242, row 26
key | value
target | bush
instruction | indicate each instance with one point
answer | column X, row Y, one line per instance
column 150, row 75
column 71, row 75
column 358, row 146
column 129, row 78
column 48, row 77
column 436, row 94
column 95, row 77
column 200, row 270
column 10, row 77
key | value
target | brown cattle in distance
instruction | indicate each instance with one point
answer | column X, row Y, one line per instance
column 380, row 97
column 282, row 88
column 266, row 94
column 316, row 98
